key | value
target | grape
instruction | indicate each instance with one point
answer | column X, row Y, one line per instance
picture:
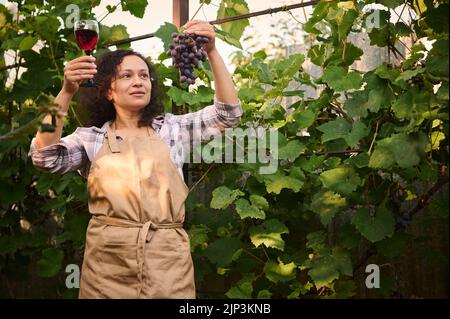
column 187, row 53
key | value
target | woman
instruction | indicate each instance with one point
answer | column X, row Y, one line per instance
column 135, row 244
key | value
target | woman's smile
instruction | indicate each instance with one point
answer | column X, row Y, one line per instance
column 139, row 93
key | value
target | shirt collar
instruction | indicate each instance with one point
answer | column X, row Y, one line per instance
column 157, row 123
column 103, row 128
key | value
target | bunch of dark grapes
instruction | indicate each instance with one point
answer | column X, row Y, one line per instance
column 187, row 53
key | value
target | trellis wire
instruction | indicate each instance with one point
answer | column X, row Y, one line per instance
column 219, row 21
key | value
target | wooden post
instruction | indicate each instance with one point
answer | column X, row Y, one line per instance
column 180, row 11
column 180, row 15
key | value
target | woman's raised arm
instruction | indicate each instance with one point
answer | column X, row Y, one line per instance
column 75, row 71
column 223, row 83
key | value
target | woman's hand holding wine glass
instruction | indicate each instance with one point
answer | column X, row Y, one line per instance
column 75, row 71
column 86, row 34
column 78, row 70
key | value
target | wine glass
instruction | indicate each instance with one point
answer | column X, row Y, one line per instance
column 86, row 33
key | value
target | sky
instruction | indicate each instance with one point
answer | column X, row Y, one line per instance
column 160, row 11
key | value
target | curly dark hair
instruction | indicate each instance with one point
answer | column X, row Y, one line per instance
column 94, row 107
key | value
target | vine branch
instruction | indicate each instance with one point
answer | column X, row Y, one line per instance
column 198, row 9
column 201, row 178
column 425, row 198
column 369, row 249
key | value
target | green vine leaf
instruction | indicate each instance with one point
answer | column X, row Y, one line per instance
column 243, row 288
column 339, row 79
column 393, row 246
column 402, row 149
column 279, row 272
column 198, row 235
column 180, row 97
column 119, row 32
column 50, row 262
column 343, row 261
column 339, row 128
column 164, row 32
column 135, row 7
column 244, row 209
column 375, row 226
column 259, row 202
column 304, row 119
column 316, row 241
column 278, row 181
column 291, row 150
column 222, row 197
column 343, row 289
column 27, row 43
column 323, row 271
column 269, row 234
column 223, row 251
column 229, row 8
column 327, row 204
column 343, row 180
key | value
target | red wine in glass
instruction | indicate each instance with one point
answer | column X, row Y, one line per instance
column 86, row 34
column 87, row 39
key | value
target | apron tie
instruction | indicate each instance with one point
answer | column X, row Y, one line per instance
column 142, row 239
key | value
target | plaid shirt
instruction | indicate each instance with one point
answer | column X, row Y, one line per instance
column 77, row 150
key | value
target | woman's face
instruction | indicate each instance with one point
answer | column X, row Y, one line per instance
column 131, row 88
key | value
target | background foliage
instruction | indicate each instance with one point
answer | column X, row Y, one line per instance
column 368, row 180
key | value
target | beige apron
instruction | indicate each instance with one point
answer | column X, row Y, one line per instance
column 135, row 244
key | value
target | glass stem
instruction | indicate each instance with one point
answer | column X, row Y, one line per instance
column 89, row 52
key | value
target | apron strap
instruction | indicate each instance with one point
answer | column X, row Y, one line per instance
column 112, row 140
column 151, row 131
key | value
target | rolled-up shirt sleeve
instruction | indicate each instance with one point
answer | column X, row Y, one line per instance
column 67, row 155
column 229, row 115
column 210, row 121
